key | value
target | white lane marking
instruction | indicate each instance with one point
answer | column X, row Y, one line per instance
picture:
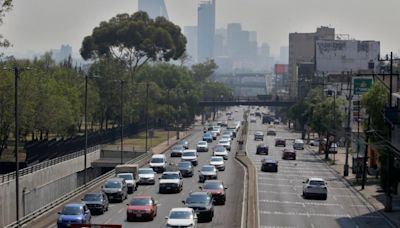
column 300, row 186
column 307, row 214
column 301, row 203
column 279, row 227
column 312, row 225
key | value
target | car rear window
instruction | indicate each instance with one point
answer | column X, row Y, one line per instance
column 318, row 183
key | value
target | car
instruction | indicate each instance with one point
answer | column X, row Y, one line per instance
column 230, row 118
column 141, row 207
column 280, row 142
column 177, row 150
column 271, row 132
column 186, row 169
column 227, row 134
column 181, row 217
column 158, row 163
column 314, row 142
column 258, row 135
column 233, row 132
column 262, row 149
column 214, row 135
column 191, row 156
column 130, row 181
column 115, row 189
column 202, row 146
column 266, row 119
column 170, row 182
column 258, row 113
column 298, row 144
column 228, row 113
column 220, row 150
column 146, row 176
column 218, row 162
column 269, row 165
column 202, row 204
column 208, row 137
column 184, row 143
column 217, row 190
column 277, row 121
column 74, row 213
column 288, row 154
column 253, row 119
column 207, row 172
column 224, row 123
column 97, row 202
column 226, row 143
column 252, row 114
column 315, row 186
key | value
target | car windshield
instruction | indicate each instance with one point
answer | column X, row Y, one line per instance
column 207, row 135
column 223, row 141
column 318, row 183
column 170, row 176
column 184, row 165
column 125, row 176
column 186, row 154
column 157, row 160
column 201, row 143
column 180, row 147
column 145, row 171
column 112, row 184
column 140, row 201
column 92, row 197
column 219, row 149
column 198, row 199
column 207, row 168
column 213, row 185
column 180, row 215
column 214, row 159
column 72, row 210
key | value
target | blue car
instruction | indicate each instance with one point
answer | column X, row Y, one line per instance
column 73, row 213
column 207, row 137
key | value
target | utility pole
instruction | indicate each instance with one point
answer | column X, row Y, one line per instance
column 147, row 114
column 16, row 116
column 122, row 119
column 348, row 138
column 364, row 176
column 389, row 199
column 168, row 113
column 86, row 134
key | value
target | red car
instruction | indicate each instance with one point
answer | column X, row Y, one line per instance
column 217, row 190
column 280, row 142
column 289, row 154
column 141, row 207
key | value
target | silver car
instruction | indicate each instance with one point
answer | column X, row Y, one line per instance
column 208, row 172
column 146, row 176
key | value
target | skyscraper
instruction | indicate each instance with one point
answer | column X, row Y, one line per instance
column 191, row 46
column 206, row 30
column 155, row 8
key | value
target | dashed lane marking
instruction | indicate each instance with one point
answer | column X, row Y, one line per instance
column 307, row 214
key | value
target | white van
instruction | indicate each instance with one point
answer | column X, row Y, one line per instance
column 158, row 163
column 298, row 144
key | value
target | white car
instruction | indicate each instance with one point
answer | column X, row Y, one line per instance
column 226, row 143
column 171, row 182
column 202, row 146
column 253, row 119
column 315, row 187
column 146, row 176
column 226, row 137
column 218, row 162
column 298, row 144
column 181, row 217
column 190, row 156
column 221, row 151
column 208, row 172
column 158, row 163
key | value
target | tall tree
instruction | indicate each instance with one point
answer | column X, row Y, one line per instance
column 202, row 71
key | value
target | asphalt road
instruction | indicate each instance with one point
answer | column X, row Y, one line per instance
column 280, row 200
column 228, row 215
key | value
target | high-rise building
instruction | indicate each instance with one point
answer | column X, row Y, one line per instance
column 63, row 53
column 284, row 55
column 191, row 46
column 205, row 30
column 155, row 8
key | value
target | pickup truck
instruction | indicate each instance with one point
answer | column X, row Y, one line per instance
column 129, row 172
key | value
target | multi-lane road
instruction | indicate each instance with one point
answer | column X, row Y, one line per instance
column 280, row 200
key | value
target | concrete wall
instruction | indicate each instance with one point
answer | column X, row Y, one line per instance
column 41, row 187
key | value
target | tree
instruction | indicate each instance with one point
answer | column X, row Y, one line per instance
column 5, row 6
column 202, row 71
column 134, row 40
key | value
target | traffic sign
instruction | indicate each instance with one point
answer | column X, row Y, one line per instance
column 361, row 85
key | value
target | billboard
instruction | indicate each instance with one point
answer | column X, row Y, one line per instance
column 361, row 84
column 281, row 68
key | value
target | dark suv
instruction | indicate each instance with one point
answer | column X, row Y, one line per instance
column 202, row 204
column 280, row 142
column 269, row 165
column 96, row 202
column 262, row 149
column 289, row 154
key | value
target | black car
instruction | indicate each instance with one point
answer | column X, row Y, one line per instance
column 186, row 169
column 269, row 165
column 202, row 204
column 267, row 119
column 96, row 202
column 262, row 149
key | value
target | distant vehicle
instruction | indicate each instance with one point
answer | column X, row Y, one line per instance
column 233, row 131
column 276, row 121
column 181, row 217
column 170, row 182
column 220, row 150
column 227, row 134
column 141, row 207
column 208, row 137
column 218, row 162
column 190, row 156
column 269, row 165
column 116, row 189
column 271, row 131
column 252, row 114
column 230, row 117
column 177, row 150
column 315, row 187
column 146, row 176
column 129, row 172
column 280, row 142
column 288, row 154
column 208, row 172
column 96, row 202
column 258, row 113
column 262, row 149
column 202, row 146
column 258, row 135
column 253, row 119
column 158, row 163
column 186, row 169
column 266, row 119
column 73, row 213
column 217, row 190
column 298, row 144
column 202, row 203
column 184, row 143
column 214, row 135
column 226, row 143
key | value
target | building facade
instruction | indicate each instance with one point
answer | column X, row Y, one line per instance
column 155, row 8
column 205, row 30
column 191, row 46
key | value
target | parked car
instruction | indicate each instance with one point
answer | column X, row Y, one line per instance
column 181, row 217
column 202, row 146
column 184, row 143
column 217, row 190
column 146, row 176
column 315, row 187
column 208, row 137
column 190, row 156
column 97, row 202
column 177, row 150
column 141, row 207
column 262, row 149
column 280, row 142
column 186, row 169
column 271, row 132
column 269, row 165
column 298, row 144
column 74, row 213
column 226, row 143
column 158, row 163
column 218, row 162
column 288, row 154
column 258, row 135
column 116, row 189
column 202, row 204
column 170, row 182
column 221, row 151
column 208, row 172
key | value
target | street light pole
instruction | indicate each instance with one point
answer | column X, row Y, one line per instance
column 122, row 120
column 349, row 132
column 16, row 115
column 168, row 114
column 147, row 114
column 86, row 135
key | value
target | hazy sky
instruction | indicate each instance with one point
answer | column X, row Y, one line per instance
column 41, row 25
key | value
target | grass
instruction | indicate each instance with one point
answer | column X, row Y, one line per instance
column 138, row 141
column 8, row 155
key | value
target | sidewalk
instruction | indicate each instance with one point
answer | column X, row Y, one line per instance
column 372, row 192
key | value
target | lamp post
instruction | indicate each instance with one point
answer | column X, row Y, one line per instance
column 121, row 83
column 349, row 131
column 147, row 115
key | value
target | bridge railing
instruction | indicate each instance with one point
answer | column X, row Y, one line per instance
column 248, row 98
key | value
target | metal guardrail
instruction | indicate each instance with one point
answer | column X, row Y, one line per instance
column 28, row 170
column 29, row 217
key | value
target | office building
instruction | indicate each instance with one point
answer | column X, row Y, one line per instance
column 205, row 30
column 155, row 8
column 191, row 46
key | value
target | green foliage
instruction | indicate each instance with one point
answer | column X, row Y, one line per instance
column 202, row 71
column 374, row 102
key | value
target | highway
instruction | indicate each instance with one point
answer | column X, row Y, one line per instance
column 280, row 200
column 228, row 215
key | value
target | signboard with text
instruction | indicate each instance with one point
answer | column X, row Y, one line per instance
column 361, row 84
